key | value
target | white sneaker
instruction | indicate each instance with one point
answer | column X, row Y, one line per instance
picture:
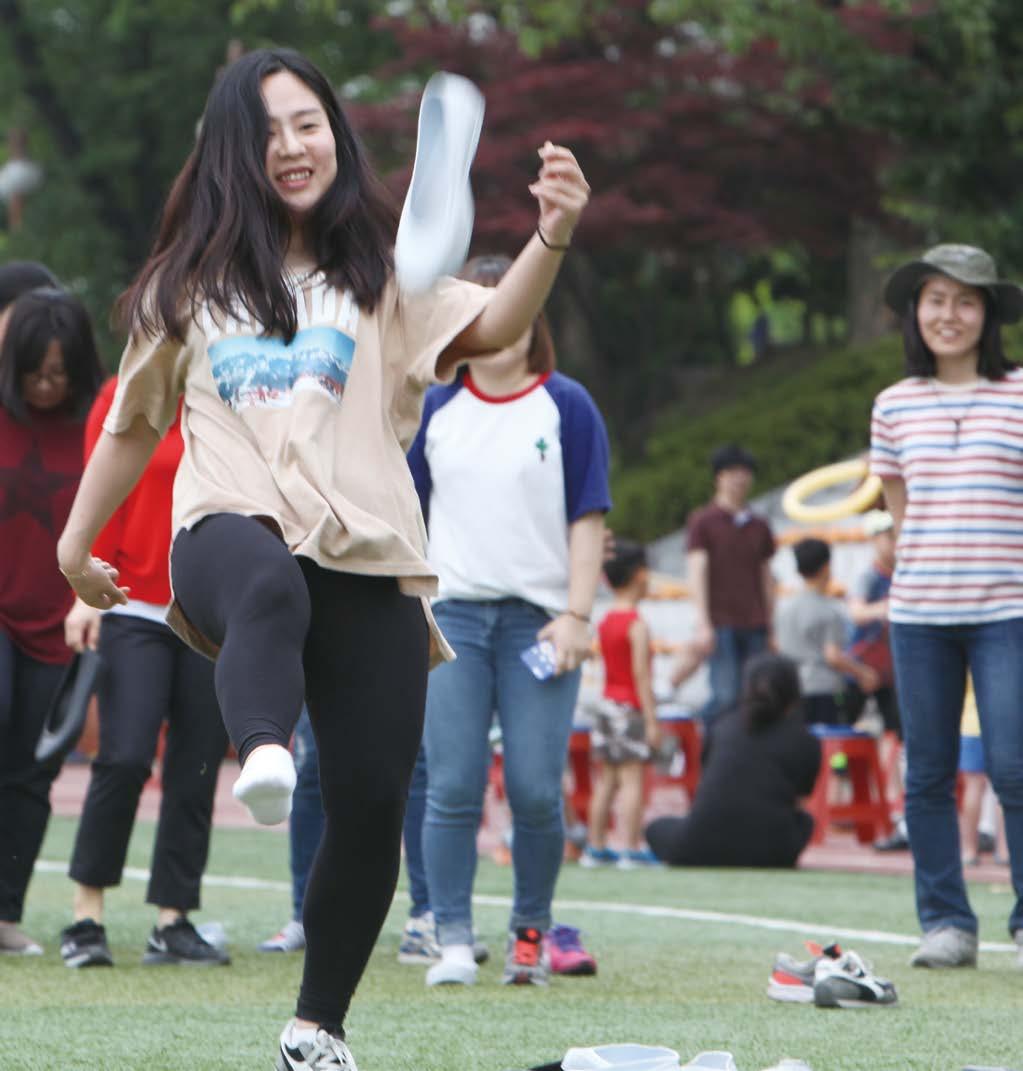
column 850, row 982
column 290, row 939
column 308, row 1050
column 266, row 784
column 714, row 1060
column 456, row 967
column 437, row 217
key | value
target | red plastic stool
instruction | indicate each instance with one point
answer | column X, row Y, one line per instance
column 869, row 808
column 582, row 775
column 890, row 769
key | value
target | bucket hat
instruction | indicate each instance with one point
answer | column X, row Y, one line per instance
column 436, row 219
column 66, row 716
column 964, row 263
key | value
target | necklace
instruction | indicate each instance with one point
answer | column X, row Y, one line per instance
column 299, row 279
column 957, row 421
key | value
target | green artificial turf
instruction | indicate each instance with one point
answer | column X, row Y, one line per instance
column 687, row 984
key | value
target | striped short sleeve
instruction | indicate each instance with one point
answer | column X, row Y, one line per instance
column 959, row 452
column 884, row 458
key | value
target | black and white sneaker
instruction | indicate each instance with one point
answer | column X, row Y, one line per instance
column 308, row 1050
column 84, row 944
column 180, row 942
column 848, row 982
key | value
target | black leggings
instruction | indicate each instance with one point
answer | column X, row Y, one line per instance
column 149, row 676
column 27, row 687
column 358, row 651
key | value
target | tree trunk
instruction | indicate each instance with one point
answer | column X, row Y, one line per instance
column 865, row 311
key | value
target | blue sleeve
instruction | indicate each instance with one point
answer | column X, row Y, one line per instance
column 585, row 453
column 417, row 462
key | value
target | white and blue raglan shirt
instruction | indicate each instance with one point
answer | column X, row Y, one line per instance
column 501, row 479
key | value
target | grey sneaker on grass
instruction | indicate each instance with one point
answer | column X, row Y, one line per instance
column 290, row 939
column 947, row 946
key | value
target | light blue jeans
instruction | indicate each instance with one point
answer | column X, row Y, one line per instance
column 733, row 648
column 536, row 722
column 930, row 673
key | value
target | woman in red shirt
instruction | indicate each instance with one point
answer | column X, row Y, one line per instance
column 149, row 677
column 49, row 373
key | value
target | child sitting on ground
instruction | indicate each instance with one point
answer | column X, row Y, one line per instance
column 625, row 725
column 811, row 630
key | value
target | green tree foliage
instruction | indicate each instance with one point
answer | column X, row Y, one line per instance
column 792, row 419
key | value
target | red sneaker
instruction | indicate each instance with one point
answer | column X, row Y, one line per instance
column 525, row 962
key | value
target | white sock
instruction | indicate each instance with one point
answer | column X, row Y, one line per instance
column 266, row 783
column 295, row 1034
column 458, row 955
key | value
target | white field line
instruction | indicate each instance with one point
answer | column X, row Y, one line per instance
column 817, row 930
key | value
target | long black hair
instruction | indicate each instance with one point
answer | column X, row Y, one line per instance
column 224, row 230
column 991, row 360
column 770, row 690
column 38, row 318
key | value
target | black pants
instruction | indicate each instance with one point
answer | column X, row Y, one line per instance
column 27, row 687
column 150, row 676
column 357, row 650
column 887, row 704
column 683, row 842
column 824, row 709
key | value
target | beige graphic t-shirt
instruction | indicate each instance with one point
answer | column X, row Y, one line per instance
column 311, row 434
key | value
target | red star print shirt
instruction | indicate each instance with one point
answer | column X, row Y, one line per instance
column 40, row 466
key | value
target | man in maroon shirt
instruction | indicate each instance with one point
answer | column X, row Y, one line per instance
column 728, row 568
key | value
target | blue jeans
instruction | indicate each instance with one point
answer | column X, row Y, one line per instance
column 305, row 827
column 733, row 647
column 412, row 833
column 306, row 823
column 931, row 662
column 536, row 722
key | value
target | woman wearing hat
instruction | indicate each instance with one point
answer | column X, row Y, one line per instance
column 947, row 443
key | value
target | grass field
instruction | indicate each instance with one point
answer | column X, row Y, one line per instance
column 685, row 983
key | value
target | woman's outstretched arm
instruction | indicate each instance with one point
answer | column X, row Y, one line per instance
column 114, row 468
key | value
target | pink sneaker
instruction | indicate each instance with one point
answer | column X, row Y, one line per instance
column 565, row 952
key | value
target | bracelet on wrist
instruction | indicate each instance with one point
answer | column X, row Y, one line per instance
column 584, row 618
column 550, row 245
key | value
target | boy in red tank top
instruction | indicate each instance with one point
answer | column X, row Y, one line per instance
column 625, row 728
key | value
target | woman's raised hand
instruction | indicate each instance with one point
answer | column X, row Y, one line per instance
column 96, row 584
column 562, row 190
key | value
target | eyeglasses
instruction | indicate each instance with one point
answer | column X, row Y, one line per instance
column 58, row 377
